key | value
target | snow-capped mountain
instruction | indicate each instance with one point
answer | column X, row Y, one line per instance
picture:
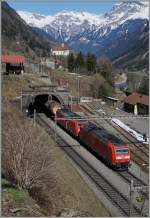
column 88, row 32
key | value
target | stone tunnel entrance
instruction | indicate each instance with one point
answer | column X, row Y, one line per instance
column 39, row 102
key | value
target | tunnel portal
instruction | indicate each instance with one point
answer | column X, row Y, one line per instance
column 39, row 102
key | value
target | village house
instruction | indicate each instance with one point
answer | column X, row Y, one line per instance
column 13, row 63
column 137, row 103
column 60, row 50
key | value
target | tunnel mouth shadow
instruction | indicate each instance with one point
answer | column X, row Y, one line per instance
column 39, row 105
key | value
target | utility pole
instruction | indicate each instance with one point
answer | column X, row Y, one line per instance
column 34, row 117
column 78, row 90
column 71, row 103
column 131, row 198
column 21, row 100
column 78, row 85
column 55, row 126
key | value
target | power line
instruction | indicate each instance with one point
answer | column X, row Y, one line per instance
column 102, row 118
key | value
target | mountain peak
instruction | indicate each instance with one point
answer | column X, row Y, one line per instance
column 66, row 25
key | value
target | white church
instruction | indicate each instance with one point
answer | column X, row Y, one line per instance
column 60, row 50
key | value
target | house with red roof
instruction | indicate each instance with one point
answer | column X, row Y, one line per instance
column 137, row 103
column 14, row 63
column 60, row 50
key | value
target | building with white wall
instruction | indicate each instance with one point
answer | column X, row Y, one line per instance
column 60, row 50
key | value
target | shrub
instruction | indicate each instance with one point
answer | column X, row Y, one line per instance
column 26, row 157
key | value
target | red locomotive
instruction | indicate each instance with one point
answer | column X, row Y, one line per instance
column 73, row 126
column 110, row 148
column 107, row 146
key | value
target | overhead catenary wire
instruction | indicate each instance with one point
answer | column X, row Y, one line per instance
column 102, row 118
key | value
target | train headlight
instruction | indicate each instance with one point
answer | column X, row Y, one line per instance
column 127, row 157
column 118, row 158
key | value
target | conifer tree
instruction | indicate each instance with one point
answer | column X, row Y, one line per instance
column 71, row 62
column 79, row 62
column 91, row 63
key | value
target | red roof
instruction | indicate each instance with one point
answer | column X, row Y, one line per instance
column 14, row 59
column 135, row 98
column 61, row 47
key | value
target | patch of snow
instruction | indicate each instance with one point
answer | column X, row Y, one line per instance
column 136, row 135
column 95, row 44
column 36, row 20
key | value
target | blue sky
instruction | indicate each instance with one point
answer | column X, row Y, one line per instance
column 51, row 7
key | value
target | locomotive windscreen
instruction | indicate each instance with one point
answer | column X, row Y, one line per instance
column 122, row 151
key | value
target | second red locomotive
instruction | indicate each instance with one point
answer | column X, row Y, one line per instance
column 73, row 126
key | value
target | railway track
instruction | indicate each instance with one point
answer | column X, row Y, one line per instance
column 142, row 161
column 131, row 138
column 128, row 176
column 118, row 200
column 136, row 155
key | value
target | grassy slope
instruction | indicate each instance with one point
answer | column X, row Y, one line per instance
column 12, row 199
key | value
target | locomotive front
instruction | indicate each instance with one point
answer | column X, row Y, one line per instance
column 121, row 156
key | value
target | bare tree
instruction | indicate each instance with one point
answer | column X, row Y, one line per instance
column 96, row 83
column 105, row 68
column 26, row 158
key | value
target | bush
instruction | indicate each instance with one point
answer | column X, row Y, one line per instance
column 26, row 157
column 99, row 87
column 105, row 90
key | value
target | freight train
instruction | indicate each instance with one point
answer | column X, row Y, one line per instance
column 108, row 147
column 52, row 107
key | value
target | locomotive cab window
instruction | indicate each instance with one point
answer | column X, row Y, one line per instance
column 122, row 151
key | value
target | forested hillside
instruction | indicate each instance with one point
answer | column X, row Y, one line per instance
column 19, row 38
column 137, row 57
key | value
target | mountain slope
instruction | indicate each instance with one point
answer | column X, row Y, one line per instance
column 137, row 57
column 18, row 37
column 112, row 34
column 66, row 24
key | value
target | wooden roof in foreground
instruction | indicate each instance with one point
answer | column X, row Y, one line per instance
column 13, row 59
